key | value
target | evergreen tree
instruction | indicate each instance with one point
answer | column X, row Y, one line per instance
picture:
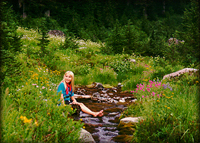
column 10, row 42
column 190, row 33
column 43, row 30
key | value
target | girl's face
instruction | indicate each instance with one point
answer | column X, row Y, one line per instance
column 68, row 78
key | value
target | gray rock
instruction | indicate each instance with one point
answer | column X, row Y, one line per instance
column 86, row 137
column 174, row 74
column 133, row 60
column 122, row 100
column 130, row 119
column 98, row 85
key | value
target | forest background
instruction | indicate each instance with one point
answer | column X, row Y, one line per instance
column 137, row 28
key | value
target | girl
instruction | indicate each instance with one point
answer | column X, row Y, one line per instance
column 66, row 87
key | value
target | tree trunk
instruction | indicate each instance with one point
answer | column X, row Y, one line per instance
column 47, row 13
column 24, row 13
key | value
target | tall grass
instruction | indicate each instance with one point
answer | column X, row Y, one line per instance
column 169, row 112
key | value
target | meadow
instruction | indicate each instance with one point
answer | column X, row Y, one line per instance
column 169, row 108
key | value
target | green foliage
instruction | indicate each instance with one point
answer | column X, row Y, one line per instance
column 69, row 41
column 190, row 33
column 126, row 39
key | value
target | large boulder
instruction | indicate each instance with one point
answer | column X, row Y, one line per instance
column 177, row 73
column 86, row 137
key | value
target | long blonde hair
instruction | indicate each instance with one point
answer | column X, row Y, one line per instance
column 71, row 74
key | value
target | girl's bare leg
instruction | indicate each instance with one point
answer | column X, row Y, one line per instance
column 88, row 111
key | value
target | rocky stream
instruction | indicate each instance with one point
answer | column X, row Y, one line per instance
column 113, row 101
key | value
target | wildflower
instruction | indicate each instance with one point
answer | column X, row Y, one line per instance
column 165, row 106
column 197, row 81
column 158, row 101
column 36, row 123
column 43, row 87
column 143, row 96
column 172, row 92
column 143, row 89
column 48, row 113
column 83, row 127
column 168, row 107
column 148, row 89
column 158, row 95
column 153, row 93
column 146, row 96
column 23, row 117
column 34, row 84
column 26, row 83
column 71, row 108
column 49, row 89
column 81, row 120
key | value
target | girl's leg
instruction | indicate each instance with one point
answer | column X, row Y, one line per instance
column 88, row 111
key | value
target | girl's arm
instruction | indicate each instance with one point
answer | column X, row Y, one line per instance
column 73, row 99
column 62, row 99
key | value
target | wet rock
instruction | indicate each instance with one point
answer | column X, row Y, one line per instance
column 110, row 93
column 122, row 100
column 95, row 96
column 98, row 85
column 86, row 137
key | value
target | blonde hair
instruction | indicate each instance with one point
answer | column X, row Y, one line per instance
column 71, row 74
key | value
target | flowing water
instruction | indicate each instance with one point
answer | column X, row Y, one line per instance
column 105, row 129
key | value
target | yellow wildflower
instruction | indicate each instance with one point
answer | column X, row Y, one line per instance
column 172, row 92
column 23, row 117
column 158, row 101
column 83, row 127
column 168, row 107
column 27, row 120
column 81, row 120
column 197, row 81
column 36, row 123
column 71, row 108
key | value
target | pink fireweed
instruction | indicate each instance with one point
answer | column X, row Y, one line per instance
column 152, row 89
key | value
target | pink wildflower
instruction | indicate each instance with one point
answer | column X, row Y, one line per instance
column 143, row 89
column 142, row 96
column 148, row 89
column 43, row 87
column 153, row 93
column 34, row 84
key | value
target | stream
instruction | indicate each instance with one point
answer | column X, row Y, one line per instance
column 104, row 129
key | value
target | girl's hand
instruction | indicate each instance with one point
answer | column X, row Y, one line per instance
column 74, row 102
